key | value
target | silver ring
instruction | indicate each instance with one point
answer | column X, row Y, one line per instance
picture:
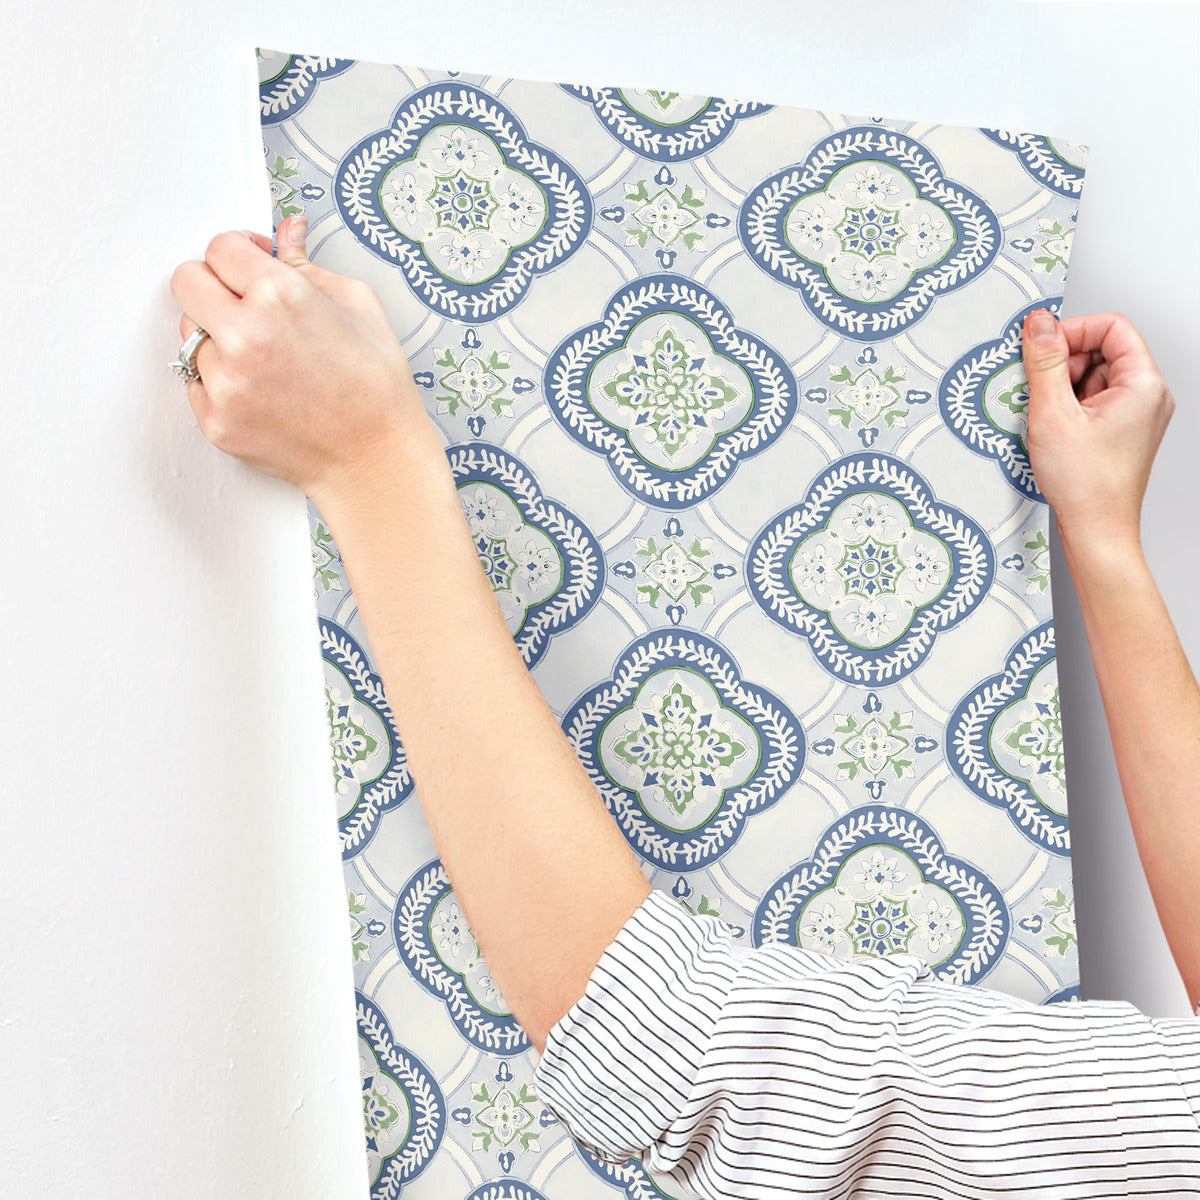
column 185, row 365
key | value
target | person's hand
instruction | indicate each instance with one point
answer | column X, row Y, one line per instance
column 302, row 375
column 1098, row 409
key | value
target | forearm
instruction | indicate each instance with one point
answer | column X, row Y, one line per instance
column 541, row 870
column 1152, row 703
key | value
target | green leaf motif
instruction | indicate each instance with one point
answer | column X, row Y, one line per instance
column 471, row 384
column 873, row 747
column 878, row 396
column 704, row 909
column 1055, row 242
column 326, row 559
column 283, row 191
column 358, row 927
column 663, row 216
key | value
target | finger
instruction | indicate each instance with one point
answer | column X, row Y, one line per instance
column 289, row 241
column 265, row 244
column 1080, row 364
column 1096, row 380
column 238, row 261
column 201, row 295
column 186, row 328
column 1109, row 334
column 1113, row 339
column 198, row 398
column 1047, row 360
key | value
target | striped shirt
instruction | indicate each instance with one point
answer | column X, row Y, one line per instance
column 772, row 1071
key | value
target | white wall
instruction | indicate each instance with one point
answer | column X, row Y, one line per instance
column 174, row 971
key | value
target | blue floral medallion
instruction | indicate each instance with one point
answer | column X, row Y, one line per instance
column 438, row 947
column 667, row 126
column 403, row 1109
column 545, row 566
column 1054, row 163
column 669, row 390
column 287, row 82
column 984, row 398
column 370, row 772
column 880, row 882
column 870, row 568
column 869, row 231
column 1004, row 741
column 683, row 749
column 468, row 208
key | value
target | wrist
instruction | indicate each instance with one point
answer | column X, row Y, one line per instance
column 1095, row 555
column 405, row 468
column 1087, row 541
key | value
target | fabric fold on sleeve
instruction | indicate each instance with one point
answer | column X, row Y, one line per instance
column 772, row 1071
column 629, row 1069
column 620, row 1064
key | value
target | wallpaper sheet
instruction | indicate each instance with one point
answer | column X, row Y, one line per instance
column 733, row 396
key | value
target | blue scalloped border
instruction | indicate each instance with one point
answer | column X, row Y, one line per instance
column 428, row 1115
column 781, row 738
column 987, row 915
column 662, row 142
column 568, row 366
column 764, row 212
column 394, row 786
column 771, row 549
column 356, row 188
column 968, row 731
column 410, row 925
column 583, row 559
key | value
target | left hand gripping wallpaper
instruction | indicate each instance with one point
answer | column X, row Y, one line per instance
column 733, row 395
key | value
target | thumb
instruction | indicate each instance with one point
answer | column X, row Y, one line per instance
column 1047, row 358
column 290, row 241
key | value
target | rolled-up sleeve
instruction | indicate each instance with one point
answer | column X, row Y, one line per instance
column 773, row 1071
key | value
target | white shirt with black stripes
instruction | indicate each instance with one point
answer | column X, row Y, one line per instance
column 770, row 1072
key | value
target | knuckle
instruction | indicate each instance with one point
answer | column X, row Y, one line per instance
column 273, row 291
column 262, row 291
column 1044, row 355
column 235, row 345
column 216, row 244
column 291, row 288
column 181, row 276
column 216, row 430
column 1123, row 323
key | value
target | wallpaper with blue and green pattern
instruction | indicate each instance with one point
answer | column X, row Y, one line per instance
column 734, row 400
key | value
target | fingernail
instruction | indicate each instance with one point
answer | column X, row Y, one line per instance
column 1041, row 324
column 297, row 230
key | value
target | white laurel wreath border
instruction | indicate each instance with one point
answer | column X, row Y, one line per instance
column 783, row 901
column 767, row 553
column 357, row 177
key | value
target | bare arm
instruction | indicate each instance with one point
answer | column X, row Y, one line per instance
column 303, row 378
column 1152, row 703
column 542, row 871
column 1098, row 410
